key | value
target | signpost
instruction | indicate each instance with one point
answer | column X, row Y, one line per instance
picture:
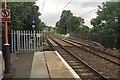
column 5, row 17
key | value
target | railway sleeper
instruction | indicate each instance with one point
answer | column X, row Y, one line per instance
column 65, row 55
column 72, row 62
column 87, row 75
column 81, row 70
column 77, row 67
column 91, row 78
column 68, row 59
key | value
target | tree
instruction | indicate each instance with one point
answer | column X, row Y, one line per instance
column 106, row 23
column 84, row 29
column 64, row 24
column 21, row 13
column 69, row 23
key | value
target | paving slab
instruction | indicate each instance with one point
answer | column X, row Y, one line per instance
column 60, row 74
column 51, row 56
column 39, row 67
column 56, row 66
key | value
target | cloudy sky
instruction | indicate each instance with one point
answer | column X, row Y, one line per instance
column 52, row 9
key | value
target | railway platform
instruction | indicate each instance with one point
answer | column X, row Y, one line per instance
column 51, row 65
column 47, row 65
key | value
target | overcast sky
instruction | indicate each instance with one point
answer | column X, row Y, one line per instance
column 52, row 9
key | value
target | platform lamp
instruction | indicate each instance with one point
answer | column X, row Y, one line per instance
column 33, row 25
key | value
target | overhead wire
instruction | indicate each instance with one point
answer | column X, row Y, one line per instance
column 43, row 7
column 89, row 12
column 58, row 4
column 65, row 6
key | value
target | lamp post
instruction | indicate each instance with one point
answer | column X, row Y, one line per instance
column 65, row 27
column 6, row 45
column 33, row 26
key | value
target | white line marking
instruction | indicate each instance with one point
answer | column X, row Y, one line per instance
column 67, row 65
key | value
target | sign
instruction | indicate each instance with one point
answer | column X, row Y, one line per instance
column 33, row 26
column 38, row 35
column 4, row 15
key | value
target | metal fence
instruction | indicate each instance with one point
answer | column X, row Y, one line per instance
column 26, row 41
column 108, row 42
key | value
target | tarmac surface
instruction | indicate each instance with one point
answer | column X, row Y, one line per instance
column 40, row 65
column 21, row 66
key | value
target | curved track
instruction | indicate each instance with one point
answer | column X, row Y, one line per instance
column 93, row 50
column 83, row 69
column 105, row 56
column 78, row 48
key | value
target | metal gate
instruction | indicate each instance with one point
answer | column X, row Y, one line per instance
column 26, row 41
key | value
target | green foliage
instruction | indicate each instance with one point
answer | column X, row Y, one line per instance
column 83, row 29
column 21, row 13
column 106, row 23
column 69, row 23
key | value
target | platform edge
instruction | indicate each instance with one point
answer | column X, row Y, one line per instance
column 67, row 65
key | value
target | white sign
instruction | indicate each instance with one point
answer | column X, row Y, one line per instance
column 33, row 26
column 4, row 15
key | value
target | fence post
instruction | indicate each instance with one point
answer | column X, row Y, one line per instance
column 42, row 40
column 34, row 41
column 14, row 41
column 17, row 41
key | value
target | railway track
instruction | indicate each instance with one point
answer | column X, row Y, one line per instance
column 94, row 51
column 94, row 48
column 81, row 68
column 91, row 47
column 105, row 56
column 109, row 69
